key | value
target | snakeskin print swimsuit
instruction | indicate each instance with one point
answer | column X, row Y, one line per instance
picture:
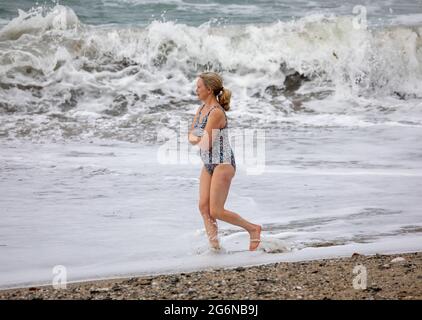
column 221, row 151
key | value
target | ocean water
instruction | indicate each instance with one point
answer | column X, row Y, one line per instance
column 95, row 99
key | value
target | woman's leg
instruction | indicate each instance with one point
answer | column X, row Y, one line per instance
column 220, row 185
column 204, row 207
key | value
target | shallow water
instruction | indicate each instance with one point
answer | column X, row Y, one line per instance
column 111, row 209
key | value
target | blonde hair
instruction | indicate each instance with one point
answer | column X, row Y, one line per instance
column 214, row 82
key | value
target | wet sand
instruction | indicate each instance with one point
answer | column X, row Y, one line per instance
column 397, row 276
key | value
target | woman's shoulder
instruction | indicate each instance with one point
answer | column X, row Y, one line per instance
column 218, row 115
column 217, row 110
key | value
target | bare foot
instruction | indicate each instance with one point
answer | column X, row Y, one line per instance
column 255, row 235
column 215, row 249
column 214, row 243
column 215, row 246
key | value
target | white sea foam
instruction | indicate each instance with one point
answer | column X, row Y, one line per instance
column 53, row 66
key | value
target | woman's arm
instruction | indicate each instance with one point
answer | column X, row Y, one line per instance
column 193, row 139
column 194, row 120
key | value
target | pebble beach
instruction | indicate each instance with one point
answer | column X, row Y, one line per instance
column 388, row 277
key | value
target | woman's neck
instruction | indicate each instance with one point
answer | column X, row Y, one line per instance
column 211, row 101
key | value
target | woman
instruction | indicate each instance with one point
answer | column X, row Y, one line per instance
column 209, row 132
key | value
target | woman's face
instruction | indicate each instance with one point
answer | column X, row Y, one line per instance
column 201, row 90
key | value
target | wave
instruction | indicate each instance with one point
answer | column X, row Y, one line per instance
column 74, row 76
column 39, row 20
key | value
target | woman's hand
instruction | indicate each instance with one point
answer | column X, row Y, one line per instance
column 193, row 139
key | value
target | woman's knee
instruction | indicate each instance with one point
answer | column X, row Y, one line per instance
column 204, row 208
column 215, row 212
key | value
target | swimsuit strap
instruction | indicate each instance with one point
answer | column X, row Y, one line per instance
column 225, row 116
column 200, row 110
column 206, row 116
column 213, row 107
column 199, row 114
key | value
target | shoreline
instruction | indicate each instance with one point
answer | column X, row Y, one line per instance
column 388, row 276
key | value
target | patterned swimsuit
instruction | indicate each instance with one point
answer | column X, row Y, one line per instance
column 221, row 151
